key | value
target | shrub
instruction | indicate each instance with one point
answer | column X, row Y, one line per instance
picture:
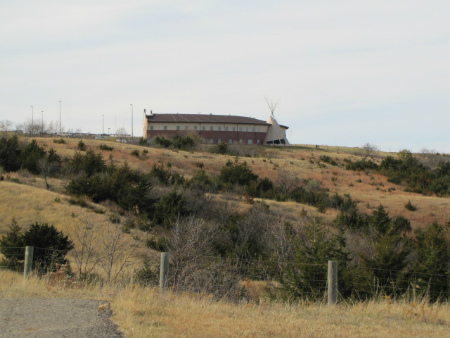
column 328, row 159
column 10, row 153
column 31, row 155
column 160, row 173
column 411, row 207
column 60, row 141
column 106, row 147
column 81, row 146
column 221, row 148
column 361, row 165
column 51, row 245
column 237, row 173
column 11, row 247
column 163, row 142
column 169, row 208
column 183, row 142
column 89, row 163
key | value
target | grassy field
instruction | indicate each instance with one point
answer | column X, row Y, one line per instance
column 144, row 312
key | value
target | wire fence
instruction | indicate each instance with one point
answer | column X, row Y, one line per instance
column 305, row 281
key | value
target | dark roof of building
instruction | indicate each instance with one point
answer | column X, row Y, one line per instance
column 203, row 118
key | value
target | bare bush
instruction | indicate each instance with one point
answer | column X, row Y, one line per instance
column 369, row 150
column 430, row 158
column 287, row 181
column 195, row 267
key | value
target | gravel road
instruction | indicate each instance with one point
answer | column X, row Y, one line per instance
column 56, row 318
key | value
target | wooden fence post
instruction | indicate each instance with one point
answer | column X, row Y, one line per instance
column 163, row 271
column 332, row 282
column 28, row 260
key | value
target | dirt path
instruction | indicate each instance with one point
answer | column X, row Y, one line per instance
column 56, row 318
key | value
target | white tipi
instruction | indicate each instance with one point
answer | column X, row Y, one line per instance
column 276, row 134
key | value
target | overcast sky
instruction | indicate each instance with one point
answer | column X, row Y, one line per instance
column 347, row 72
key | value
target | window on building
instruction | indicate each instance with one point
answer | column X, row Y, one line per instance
column 256, row 129
column 186, row 128
column 211, row 141
column 219, row 128
column 234, row 128
column 240, row 128
column 230, row 141
column 165, row 127
column 211, row 128
column 250, row 142
column 195, row 127
column 178, row 127
column 246, row 129
column 219, row 140
column 226, row 128
column 203, row 140
column 203, row 128
column 151, row 127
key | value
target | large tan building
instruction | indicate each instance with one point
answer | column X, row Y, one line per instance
column 216, row 129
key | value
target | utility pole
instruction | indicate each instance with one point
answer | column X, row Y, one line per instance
column 60, row 117
column 131, row 119
column 42, row 122
column 31, row 131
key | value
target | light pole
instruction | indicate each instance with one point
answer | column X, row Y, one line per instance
column 31, row 131
column 131, row 119
column 60, row 117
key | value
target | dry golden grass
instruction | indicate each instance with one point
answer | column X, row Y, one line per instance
column 143, row 312
column 28, row 204
column 146, row 313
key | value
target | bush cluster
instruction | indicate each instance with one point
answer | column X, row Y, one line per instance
column 407, row 169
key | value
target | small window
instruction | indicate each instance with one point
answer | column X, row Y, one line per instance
column 203, row 140
column 246, row 129
column 211, row 128
column 219, row 129
column 195, row 127
column 178, row 127
column 165, row 127
column 151, row 127
column 226, row 128
column 186, row 128
column 234, row 128
column 219, row 140
column 230, row 141
column 211, row 141
column 256, row 129
column 250, row 141
column 203, row 128
column 240, row 128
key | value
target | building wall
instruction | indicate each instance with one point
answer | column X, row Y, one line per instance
column 210, row 132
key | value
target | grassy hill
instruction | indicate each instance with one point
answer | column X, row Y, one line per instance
column 367, row 188
column 228, row 211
